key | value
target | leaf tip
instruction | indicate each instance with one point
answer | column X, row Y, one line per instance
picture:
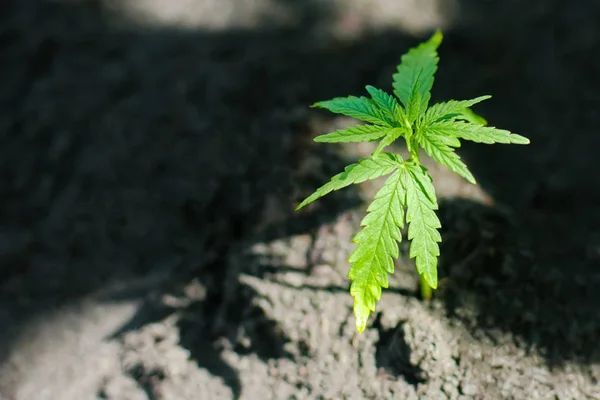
column 432, row 282
column 436, row 38
column 361, row 315
column 303, row 203
column 361, row 322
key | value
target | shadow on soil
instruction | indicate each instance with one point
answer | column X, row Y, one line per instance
column 131, row 151
column 531, row 266
column 392, row 354
column 226, row 112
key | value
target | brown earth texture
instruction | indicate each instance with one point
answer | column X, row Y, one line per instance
column 153, row 152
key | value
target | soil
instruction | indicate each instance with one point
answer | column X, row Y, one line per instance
column 152, row 156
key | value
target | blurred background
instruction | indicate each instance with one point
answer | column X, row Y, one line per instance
column 153, row 151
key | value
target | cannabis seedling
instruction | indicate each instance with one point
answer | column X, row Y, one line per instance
column 408, row 194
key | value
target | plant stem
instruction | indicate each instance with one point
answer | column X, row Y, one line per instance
column 413, row 149
column 426, row 291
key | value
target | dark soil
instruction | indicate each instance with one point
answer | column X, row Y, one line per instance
column 151, row 158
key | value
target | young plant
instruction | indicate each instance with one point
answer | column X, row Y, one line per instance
column 408, row 195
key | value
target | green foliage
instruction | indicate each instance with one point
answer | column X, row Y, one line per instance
column 377, row 246
column 356, row 107
column 423, row 232
column 359, row 133
column 408, row 195
column 415, row 76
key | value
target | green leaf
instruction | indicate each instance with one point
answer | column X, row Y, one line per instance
column 408, row 195
column 470, row 116
column 361, row 108
column 437, row 147
column 416, row 72
column 373, row 257
column 390, row 138
column 474, row 132
column 423, row 223
column 386, row 102
column 401, row 117
column 358, row 133
column 414, row 108
column 366, row 168
column 451, row 141
column 450, row 109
